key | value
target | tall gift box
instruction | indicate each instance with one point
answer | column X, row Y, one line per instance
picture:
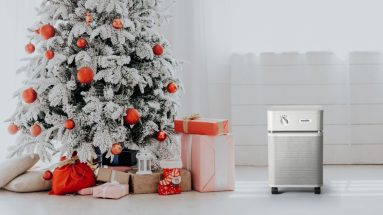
column 211, row 161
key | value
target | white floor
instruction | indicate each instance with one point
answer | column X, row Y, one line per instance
column 347, row 190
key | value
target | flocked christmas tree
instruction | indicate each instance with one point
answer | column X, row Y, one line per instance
column 100, row 75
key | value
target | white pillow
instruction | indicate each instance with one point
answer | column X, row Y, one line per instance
column 31, row 181
column 11, row 168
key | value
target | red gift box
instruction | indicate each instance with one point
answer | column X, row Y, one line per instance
column 202, row 126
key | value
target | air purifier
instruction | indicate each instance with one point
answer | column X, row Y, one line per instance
column 295, row 147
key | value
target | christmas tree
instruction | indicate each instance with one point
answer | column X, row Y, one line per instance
column 99, row 75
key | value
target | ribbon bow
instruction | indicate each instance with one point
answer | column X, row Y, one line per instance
column 185, row 123
column 169, row 179
column 68, row 161
column 193, row 116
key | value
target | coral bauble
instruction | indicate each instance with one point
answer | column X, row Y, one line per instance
column 49, row 54
column 47, row 31
column 132, row 116
column 158, row 50
column 13, row 129
column 29, row 95
column 116, row 149
column 161, row 136
column 48, row 175
column 35, row 130
column 30, row 48
column 69, row 124
column 81, row 43
column 85, row 75
column 172, row 88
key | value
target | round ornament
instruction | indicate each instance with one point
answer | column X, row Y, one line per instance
column 117, row 23
column 47, row 31
column 49, row 54
column 81, row 43
column 30, row 48
column 13, row 129
column 116, row 149
column 172, row 88
column 48, row 175
column 158, row 50
column 161, row 136
column 29, row 95
column 69, row 124
column 132, row 116
column 85, row 75
column 36, row 130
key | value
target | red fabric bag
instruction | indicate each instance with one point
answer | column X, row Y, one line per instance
column 71, row 176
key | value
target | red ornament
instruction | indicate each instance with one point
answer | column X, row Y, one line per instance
column 88, row 18
column 85, row 75
column 172, row 88
column 47, row 31
column 161, row 136
column 69, row 124
column 30, row 48
column 13, row 129
column 116, row 149
column 48, row 175
column 117, row 23
column 81, row 43
column 49, row 54
column 29, row 95
column 36, row 130
column 158, row 50
column 132, row 116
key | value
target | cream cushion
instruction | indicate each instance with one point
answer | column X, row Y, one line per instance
column 11, row 168
column 30, row 181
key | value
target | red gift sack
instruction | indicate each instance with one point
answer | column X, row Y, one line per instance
column 71, row 176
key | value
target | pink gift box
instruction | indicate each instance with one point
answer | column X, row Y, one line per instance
column 111, row 190
column 210, row 160
column 86, row 191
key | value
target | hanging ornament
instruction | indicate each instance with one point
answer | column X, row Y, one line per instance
column 13, row 129
column 69, row 124
column 158, row 50
column 116, row 149
column 81, row 43
column 132, row 116
column 35, row 130
column 85, row 75
column 47, row 31
column 161, row 136
column 117, row 23
column 88, row 18
column 49, row 54
column 172, row 88
column 29, row 95
column 30, row 48
column 48, row 175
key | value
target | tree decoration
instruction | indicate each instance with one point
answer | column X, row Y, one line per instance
column 48, row 175
column 35, row 130
column 30, row 48
column 47, row 31
column 172, row 88
column 88, row 18
column 116, row 149
column 117, row 23
column 81, row 43
column 49, row 54
column 85, row 75
column 29, row 95
column 132, row 116
column 69, row 124
column 13, row 129
column 161, row 136
column 158, row 50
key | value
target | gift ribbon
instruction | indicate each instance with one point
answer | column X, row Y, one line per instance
column 169, row 178
column 185, row 123
column 68, row 161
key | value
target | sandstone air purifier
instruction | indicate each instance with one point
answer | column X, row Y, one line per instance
column 295, row 147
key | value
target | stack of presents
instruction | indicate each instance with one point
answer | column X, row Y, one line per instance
column 206, row 165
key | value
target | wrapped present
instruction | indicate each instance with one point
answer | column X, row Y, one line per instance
column 86, row 191
column 144, row 184
column 112, row 190
column 170, row 182
column 197, row 125
column 211, row 161
column 126, row 158
column 110, row 175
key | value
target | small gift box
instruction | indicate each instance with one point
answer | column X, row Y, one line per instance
column 126, row 158
column 211, row 161
column 110, row 175
column 171, row 179
column 112, row 190
column 86, row 191
column 197, row 125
